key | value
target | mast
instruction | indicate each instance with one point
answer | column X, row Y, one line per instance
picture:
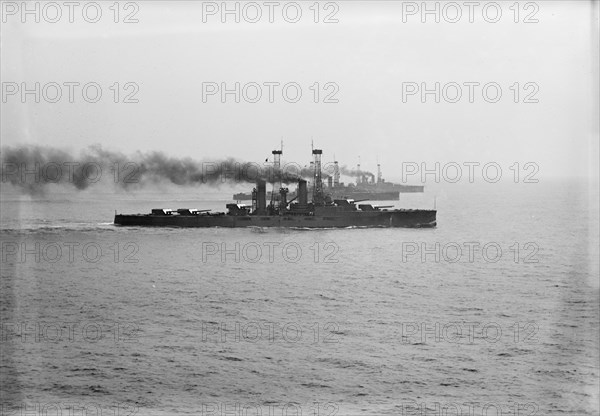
column 277, row 175
column 318, row 197
column 336, row 174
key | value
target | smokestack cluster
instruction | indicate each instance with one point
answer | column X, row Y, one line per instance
column 302, row 193
column 261, row 195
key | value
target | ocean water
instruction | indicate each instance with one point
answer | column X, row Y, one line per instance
column 495, row 311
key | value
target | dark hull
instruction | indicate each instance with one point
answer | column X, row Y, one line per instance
column 395, row 218
column 242, row 197
column 393, row 195
column 369, row 196
column 407, row 189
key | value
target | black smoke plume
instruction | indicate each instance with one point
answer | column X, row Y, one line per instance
column 32, row 168
column 344, row 170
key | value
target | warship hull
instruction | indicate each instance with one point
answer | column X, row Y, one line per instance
column 321, row 212
column 369, row 196
column 377, row 195
column 396, row 218
column 408, row 189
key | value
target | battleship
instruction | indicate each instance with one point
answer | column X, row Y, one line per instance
column 298, row 212
column 363, row 189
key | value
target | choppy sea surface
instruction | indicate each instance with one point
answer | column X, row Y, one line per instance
column 495, row 311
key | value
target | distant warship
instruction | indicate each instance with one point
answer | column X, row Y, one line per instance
column 363, row 189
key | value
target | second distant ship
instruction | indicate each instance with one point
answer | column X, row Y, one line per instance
column 364, row 189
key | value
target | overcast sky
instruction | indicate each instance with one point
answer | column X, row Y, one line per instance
column 369, row 55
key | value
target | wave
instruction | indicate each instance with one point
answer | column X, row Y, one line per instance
column 56, row 229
